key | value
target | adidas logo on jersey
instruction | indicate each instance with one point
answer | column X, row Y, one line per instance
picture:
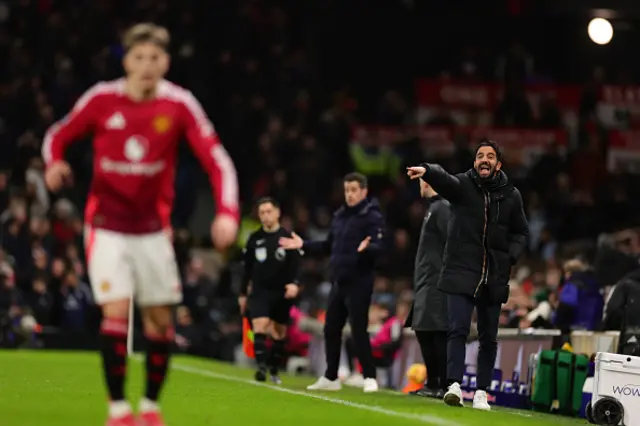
column 116, row 122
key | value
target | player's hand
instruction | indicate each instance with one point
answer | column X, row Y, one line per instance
column 291, row 291
column 56, row 175
column 364, row 244
column 293, row 243
column 182, row 342
column 224, row 230
column 416, row 172
column 242, row 304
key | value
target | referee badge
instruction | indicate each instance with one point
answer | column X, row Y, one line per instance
column 261, row 254
column 280, row 254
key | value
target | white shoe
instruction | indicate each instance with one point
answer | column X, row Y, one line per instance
column 355, row 380
column 147, row 406
column 343, row 372
column 370, row 385
column 119, row 409
column 480, row 401
column 453, row 396
column 325, row 384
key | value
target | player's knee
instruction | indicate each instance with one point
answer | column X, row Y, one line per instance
column 278, row 331
column 260, row 325
column 118, row 309
column 158, row 321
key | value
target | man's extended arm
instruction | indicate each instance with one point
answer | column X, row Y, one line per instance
column 442, row 182
column 376, row 231
column 318, row 248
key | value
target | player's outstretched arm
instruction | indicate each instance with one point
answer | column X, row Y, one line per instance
column 314, row 248
column 216, row 161
column 59, row 136
column 445, row 184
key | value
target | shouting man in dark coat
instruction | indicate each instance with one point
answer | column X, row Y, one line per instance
column 428, row 316
column 487, row 232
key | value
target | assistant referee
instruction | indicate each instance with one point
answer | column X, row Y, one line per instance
column 271, row 272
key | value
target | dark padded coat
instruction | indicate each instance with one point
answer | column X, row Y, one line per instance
column 351, row 225
column 487, row 232
column 429, row 310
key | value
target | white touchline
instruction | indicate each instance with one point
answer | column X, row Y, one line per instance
column 424, row 418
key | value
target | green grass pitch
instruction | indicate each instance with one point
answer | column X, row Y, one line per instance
column 65, row 389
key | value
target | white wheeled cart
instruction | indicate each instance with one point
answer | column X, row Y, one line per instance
column 616, row 391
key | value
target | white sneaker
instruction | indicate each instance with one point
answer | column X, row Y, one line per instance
column 370, row 385
column 453, row 396
column 355, row 380
column 325, row 384
column 119, row 409
column 343, row 372
column 480, row 401
column 147, row 406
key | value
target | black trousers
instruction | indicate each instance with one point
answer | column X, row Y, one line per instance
column 348, row 300
column 433, row 345
column 460, row 311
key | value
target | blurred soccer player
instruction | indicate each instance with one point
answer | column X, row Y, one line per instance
column 137, row 122
column 272, row 272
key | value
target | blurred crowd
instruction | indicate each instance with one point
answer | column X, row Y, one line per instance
column 287, row 122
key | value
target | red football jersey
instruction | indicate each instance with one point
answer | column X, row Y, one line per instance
column 135, row 154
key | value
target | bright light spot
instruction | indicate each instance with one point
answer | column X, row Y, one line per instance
column 600, row 31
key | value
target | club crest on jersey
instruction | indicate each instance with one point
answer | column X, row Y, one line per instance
column 161, row 124
column 261, row 254
column 135, row 148
column 280, row 254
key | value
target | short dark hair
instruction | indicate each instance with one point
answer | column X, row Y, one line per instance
column 492, row 144
column 265, row 200
column 357, row 177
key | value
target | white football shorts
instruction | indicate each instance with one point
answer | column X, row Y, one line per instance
column 125, row 266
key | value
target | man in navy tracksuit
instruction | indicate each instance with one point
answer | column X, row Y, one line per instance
column 355, row 241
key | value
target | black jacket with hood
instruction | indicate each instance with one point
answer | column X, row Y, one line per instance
column 487, row 232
